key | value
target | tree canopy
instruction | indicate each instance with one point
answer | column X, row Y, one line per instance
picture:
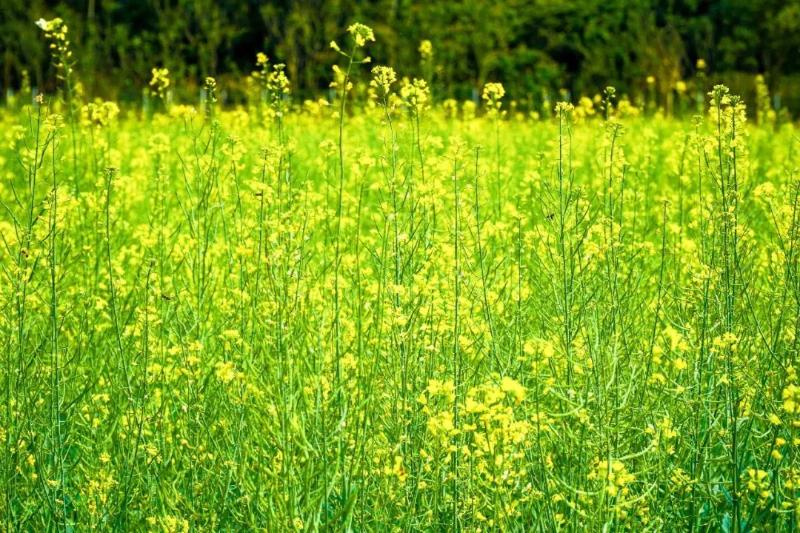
column 531, row 46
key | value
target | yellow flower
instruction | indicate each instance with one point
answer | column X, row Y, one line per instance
column 415, row 95
column 758, row 484
column 426, row 50
column 361, row 34
column 564, row 108
column 226, row 372
column 159, row 82
column 791, row 399
column 382, row 80
column 616, row 477
column 492, row 94
column 514, row 388
column 278, row 86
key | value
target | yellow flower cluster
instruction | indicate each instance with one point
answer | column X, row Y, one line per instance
column 100, row 113
column 615, row 476
column 56, row 32
column 159, row 82
column 425, row 50
column 415, row 95
column 757, row 483
column 492, row 95
column 382, row 80
column 361, row 34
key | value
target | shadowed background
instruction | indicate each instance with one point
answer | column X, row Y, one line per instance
column 536, row 48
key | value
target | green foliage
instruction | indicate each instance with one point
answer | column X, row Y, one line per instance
column 544, row 45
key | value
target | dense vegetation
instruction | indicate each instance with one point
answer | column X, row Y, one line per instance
column 533, row 47
column 377, row 311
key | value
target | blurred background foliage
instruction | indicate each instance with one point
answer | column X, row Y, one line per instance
column 537, row 48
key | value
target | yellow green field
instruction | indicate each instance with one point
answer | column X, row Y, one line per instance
column 378, row 312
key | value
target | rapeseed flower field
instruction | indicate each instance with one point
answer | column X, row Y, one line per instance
column 379, row 311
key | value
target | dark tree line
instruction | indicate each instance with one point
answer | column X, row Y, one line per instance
column 532, row 46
